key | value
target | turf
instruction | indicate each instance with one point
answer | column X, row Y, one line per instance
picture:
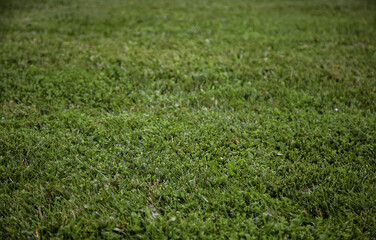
column 188, row 119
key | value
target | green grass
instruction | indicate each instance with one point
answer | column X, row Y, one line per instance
column 188, row 119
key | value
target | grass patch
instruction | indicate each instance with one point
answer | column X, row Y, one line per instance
column 187, row 119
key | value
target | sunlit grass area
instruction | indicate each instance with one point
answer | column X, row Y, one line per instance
column 210, row 119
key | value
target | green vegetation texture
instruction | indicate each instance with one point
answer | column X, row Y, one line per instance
column 188, row 119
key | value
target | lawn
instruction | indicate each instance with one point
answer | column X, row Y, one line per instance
column 188, row 119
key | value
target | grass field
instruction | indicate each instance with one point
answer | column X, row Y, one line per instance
column 188, row 119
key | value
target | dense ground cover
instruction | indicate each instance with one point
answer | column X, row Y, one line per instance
column 187, row 119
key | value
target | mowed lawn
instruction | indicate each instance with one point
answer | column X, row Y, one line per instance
column 187, row 119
